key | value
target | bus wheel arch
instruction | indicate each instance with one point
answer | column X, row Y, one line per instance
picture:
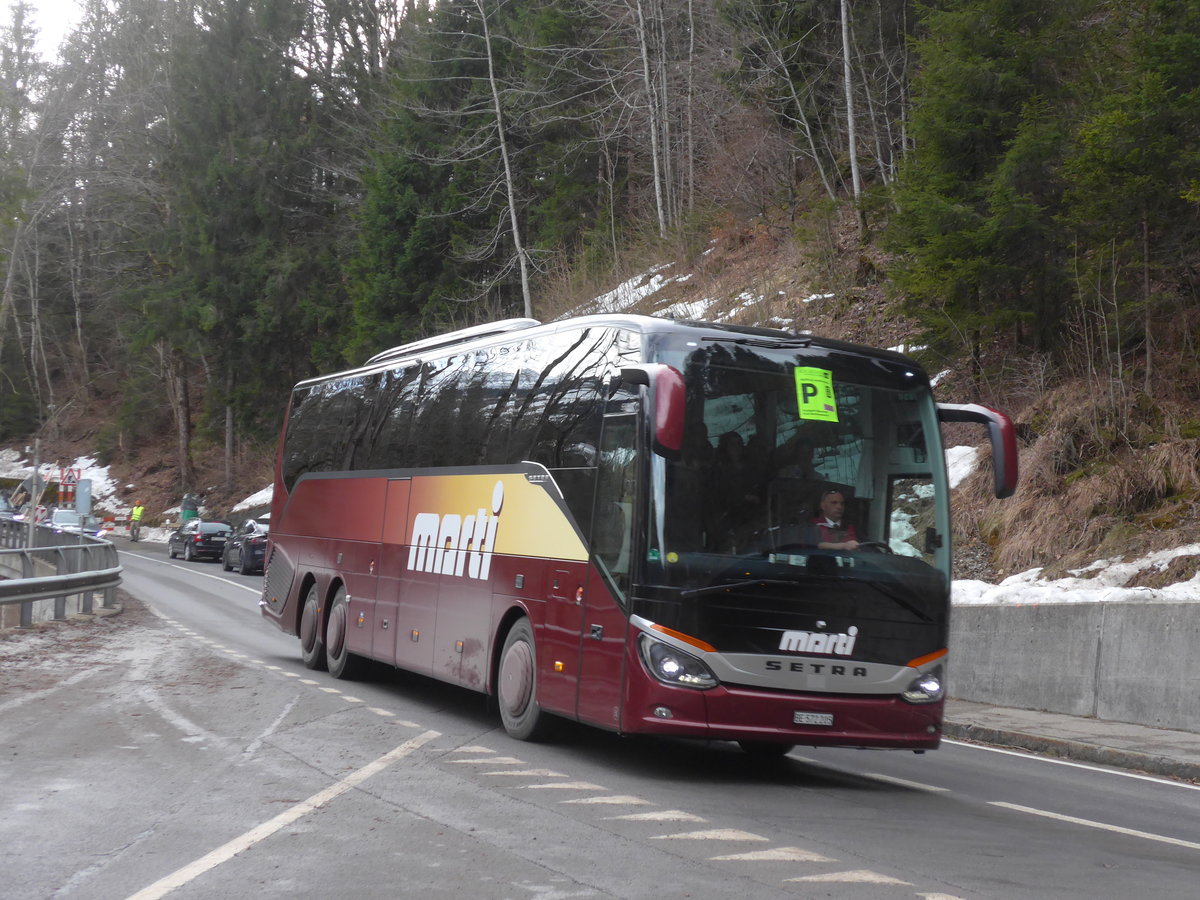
column 311, row 626
column 516, row 684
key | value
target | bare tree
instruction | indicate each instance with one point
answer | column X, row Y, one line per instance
column 851, row 121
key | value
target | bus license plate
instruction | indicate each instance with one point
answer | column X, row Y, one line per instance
column 812, row 718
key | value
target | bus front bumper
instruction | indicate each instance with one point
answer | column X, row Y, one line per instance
column 734, row 713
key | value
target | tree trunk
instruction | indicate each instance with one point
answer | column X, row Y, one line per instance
column 229, row 428
column 1147, row 313
column 509, row 187
column 654, row 112
column 173, row 366
column 851, row 127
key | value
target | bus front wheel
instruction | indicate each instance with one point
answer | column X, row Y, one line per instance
column 312, row 644
column 516, row 689
column 342, row 663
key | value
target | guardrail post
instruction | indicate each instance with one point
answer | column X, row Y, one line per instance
column 61, row 567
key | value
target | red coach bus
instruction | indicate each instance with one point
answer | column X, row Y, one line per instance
column 612, row 519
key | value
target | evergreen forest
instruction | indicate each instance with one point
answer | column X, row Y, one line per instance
column 205, row 201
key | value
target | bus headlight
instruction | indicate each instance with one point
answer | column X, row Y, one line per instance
column 927, row 687
column 671, row 665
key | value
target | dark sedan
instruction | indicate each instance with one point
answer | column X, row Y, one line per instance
column 195, row 539
column 247, row 549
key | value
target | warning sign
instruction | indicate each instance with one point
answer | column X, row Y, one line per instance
column 814, row 394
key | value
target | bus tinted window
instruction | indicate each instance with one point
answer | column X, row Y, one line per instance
column 391, row 441
column 558, row 420
column 329, row 426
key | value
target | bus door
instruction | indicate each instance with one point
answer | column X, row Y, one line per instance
column 605, row 622
column 558, row 643
column 406, row 605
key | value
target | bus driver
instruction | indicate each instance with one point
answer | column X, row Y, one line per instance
column 832, row 532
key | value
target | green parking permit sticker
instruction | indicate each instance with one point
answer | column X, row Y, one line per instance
column 814, row 394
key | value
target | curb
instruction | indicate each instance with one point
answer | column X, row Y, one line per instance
column 1082, row 751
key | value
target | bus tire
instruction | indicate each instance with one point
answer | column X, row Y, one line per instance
column 312, row 642
column 342, row 663
column 516, row 686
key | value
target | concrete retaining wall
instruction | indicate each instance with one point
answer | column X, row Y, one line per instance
column 1124, row 662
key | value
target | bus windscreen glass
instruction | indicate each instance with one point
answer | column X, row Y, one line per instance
column 811, row 482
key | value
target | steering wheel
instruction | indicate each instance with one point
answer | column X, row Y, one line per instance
column 877, row 546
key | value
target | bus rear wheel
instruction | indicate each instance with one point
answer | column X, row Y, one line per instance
column 342, row 663
column 312, row 645
column 516, row 688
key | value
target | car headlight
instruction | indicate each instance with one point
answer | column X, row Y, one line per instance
column 672, row 666
column 928, row 687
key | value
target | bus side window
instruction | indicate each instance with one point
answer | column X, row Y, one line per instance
column 612, row 532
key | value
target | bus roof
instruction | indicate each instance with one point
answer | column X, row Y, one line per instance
column 495, row 332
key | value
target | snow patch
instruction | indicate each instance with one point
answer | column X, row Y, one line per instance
column 960, row 462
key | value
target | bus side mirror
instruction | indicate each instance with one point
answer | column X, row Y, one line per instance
column 1003, row 437
column 666, row 397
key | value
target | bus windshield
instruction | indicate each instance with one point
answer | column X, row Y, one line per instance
column 800, row 462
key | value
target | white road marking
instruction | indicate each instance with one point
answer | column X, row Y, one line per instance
column 229, row 850
column 717, row 834
column 856, row 876
column 1161, row 838
column 665, row 815
column 380, row 712
column 253, row 746
column 257, row 591
column 613, row 799
column 904, row 782
column 528, row 773
column 474, row 748
column 488, row 761
column 564, row 786
column 1028, row 754
column 779, row 854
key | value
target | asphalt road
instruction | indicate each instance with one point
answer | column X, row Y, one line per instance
column 182, row 749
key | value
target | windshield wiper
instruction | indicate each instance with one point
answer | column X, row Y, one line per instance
column 732, row 585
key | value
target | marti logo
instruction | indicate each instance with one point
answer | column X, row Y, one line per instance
column 454, row 544
column 820, row 642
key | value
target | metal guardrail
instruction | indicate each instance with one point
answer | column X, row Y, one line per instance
column 81, row 565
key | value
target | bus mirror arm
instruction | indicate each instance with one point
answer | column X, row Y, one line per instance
column 1003, row 438
column 665, row 392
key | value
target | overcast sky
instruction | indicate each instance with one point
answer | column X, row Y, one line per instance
column 52, row 18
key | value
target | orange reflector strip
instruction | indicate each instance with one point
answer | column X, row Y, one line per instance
column 686, row 638
column 927, row 658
